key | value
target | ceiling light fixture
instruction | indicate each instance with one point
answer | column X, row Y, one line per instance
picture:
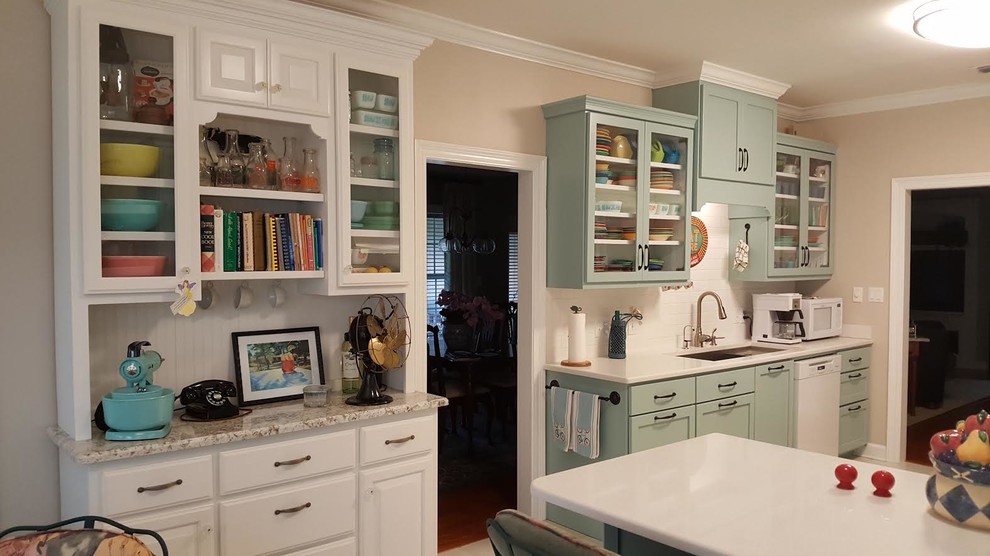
column 962, row 23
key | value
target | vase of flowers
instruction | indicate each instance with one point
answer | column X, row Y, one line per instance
column 464, row 317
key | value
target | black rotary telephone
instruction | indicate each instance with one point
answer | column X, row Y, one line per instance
column 207, row 400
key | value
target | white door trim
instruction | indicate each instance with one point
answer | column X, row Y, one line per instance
column 532, row 172
column 900, row 282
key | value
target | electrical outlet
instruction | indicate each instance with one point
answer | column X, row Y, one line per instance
column 738, row 316
column 876, row 295
column 857, row 294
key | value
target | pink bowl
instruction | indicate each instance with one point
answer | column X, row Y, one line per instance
column 120, row 267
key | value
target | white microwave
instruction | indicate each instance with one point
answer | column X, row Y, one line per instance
column 822, row 317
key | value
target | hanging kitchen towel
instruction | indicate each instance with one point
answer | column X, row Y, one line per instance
column 587, row 414
column 562, row 416
column 741, row 260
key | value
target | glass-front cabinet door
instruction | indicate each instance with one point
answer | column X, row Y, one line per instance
column 802, row 226
column 374, row 150
column 667, row 249
column 134, row 103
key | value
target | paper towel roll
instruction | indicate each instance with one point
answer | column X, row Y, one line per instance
column 575, row 337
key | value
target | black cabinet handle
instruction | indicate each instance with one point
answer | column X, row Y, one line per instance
column 667, row 418
column 296, row 461
column 739, row 158
column 857, row 408
column 856, row 360
column 162, row 486
column 855, row 375
column 644, row 252
column 664, row 397
column 777, row 368
column 298, row 508
column 745, row 160
column 729, row 385
column 730, row 404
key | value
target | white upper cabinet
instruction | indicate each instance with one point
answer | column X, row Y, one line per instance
column 262, row 72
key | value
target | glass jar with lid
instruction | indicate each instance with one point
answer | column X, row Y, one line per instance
column 385, row 157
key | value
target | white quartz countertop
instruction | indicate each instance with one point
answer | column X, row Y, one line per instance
column 650, row 366
column 264, row 420
column 718, row 494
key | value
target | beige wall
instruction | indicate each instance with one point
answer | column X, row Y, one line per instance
column 940, row 139
column 28, row 461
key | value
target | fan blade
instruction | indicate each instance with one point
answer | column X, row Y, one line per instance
column 374, row 325
column 396, row 340
column 377, row 351
column 392, row 360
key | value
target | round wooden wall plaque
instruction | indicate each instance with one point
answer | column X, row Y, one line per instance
column 699, row 240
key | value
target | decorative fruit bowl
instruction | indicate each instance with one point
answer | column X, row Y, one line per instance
column 960, row 492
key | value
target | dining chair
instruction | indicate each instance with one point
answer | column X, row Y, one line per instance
column 502, row 375
column 56, row 540
column 513, row 533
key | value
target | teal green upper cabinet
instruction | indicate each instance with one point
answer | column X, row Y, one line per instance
column 736, row 133
column 796, row 241
column 618, row 194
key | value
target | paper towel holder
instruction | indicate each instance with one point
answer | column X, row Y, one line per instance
column 575, row 309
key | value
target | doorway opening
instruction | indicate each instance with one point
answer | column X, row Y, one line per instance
column 909, row 288
column 948, row 359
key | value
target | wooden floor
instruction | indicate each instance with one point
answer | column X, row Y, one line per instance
column 919, row 434
column 462, row 512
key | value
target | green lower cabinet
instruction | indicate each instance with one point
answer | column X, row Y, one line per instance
column 660, row 428
column 734, row 416
column 854, row 426
column 774, row 395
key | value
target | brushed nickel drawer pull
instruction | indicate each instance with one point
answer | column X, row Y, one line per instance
column 667, row 397
column 730, row 404
column 729, row 385
column 671, row 416
column 856, row 375
column 298, row 508
column 296, row 461
column 162, row 486
column 401, row 440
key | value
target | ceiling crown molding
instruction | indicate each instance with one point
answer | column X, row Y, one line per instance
column 721, row 75
column 885, row 102
column 458, row 32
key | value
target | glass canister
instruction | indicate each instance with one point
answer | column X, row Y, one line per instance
column 288, row 173
column 116, row 76
column 206, row 173
column 310, row 180
column 223, row 175
column 271, row 162
column 385, row 157
column 256, row 171
column 235, row 157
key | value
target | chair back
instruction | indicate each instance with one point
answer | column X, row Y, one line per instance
column 434, row 362
column 53, row 540
column 511, row 329
column 513, row 533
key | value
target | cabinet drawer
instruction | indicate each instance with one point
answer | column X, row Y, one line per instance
column 286, row 461
column 346, row 547
column 668, row 394
column 854, row 386
column 660, row 428
column 855, row 359
column 774, row 368
column 288, row 517
column 396, row 440
column 725, row 384
column 153, row 486
column 854, row 426
column 733, row 416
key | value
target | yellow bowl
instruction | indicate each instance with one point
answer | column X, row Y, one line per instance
column 126, row 159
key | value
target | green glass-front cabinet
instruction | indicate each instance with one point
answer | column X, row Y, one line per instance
column 618, row 194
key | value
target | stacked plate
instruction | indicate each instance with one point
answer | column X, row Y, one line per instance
column 660, row 233
column 602, row 173
column 601, row 232
column 661, row 179
column 603, row 142
column 599, row 263
column 620, row 265
column 629, row 232
column 624, row 177
column 654, row 264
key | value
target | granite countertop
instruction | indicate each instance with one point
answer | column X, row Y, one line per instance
column 718, row 494
column 264, row 420
column 649, row 366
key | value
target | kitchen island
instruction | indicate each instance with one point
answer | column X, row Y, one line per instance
column 718, row 494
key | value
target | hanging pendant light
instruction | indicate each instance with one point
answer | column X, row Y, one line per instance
column 960, row 23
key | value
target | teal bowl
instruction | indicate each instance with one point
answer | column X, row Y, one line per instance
column 384, row 208
column 129, row 215
column 138, row 414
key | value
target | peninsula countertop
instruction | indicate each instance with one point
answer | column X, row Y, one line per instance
column 718, row 494
column 649, row 366
column 264, row 420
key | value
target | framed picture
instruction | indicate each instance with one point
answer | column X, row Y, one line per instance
column 275, row 365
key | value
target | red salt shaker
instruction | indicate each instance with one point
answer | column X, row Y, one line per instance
column 846, row 474
column 883, row 481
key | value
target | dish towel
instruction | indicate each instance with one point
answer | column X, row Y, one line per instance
column 741, row 260
column 562, row 415
column 587, row 415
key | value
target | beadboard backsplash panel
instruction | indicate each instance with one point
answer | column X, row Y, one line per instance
column 665, row 313
column 199, row 347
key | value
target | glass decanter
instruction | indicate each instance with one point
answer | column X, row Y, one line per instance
column 310, row 181
column 235, row 157
column 223, row 175
column 256, row 171
column 271, row 162
column 289, row 177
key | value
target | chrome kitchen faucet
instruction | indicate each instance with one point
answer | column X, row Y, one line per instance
column 698, row 339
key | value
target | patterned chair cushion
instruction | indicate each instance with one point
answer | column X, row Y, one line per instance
column 74, row 542
column 514, row 533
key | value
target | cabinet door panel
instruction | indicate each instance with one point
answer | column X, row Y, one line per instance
column 732, row 416
column 774, row 392
column 661, row 428
column 757, row 131
column 854, row 426
column 300, row 78
column 189, row 532
column 232, row 68
column 398, row 509
column 720, row 158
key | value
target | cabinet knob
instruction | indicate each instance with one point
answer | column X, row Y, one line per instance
column 186, row 270
column 276, row 88
column 260, row 86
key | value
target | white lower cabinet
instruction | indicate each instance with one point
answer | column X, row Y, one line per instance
column 398, row 508
column 346, row 547
column 187, row 532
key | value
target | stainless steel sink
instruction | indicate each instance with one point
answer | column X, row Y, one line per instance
column 729, row 353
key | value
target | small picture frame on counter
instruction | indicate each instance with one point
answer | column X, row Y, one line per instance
column 275, row 365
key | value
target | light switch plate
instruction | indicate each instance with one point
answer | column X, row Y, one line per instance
column 857, row 294
column 876, row 295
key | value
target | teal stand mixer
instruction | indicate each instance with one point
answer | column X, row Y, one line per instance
column 141, row 410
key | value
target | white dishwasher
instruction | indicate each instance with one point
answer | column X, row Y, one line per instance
column 816, row 404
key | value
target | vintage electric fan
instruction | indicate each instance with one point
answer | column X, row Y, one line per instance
column 380, row 339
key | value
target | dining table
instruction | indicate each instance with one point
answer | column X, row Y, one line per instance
column 722, row 495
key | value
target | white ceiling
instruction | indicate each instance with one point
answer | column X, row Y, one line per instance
column 829, row 51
